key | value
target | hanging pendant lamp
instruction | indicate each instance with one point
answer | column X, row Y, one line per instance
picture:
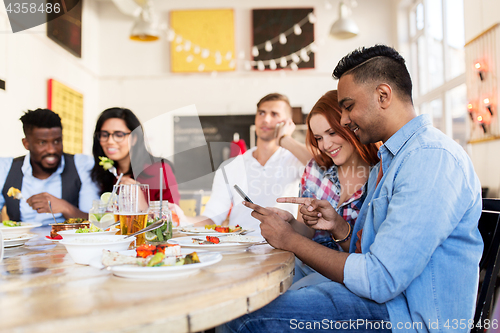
column 145, row 27
column 344, row 27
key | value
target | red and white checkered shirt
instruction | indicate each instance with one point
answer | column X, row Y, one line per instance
column 325, row 185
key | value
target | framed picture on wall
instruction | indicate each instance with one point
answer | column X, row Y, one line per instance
column 204, row 40
column 283, row 38
column 66, row 30
column 68, row 104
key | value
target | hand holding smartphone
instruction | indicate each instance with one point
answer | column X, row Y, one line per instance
column 243, row 195
column 277, row 129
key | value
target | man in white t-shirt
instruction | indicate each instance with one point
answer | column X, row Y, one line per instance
column 264, row 173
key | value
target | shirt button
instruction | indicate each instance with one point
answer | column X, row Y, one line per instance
column 369, row 204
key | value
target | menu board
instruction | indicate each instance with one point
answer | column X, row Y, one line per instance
column 202, row 143
column 68, row 104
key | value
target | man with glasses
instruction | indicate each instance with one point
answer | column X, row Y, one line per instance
column 46, row 174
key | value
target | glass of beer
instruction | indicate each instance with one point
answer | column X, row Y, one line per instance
column 133, row 207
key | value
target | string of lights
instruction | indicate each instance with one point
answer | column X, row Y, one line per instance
column 300, row 55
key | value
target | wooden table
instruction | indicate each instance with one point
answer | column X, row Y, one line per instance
column 67, row 297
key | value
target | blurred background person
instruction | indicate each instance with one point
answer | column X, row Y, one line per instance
column 46, row 174
column 265, row 172
column 116, row 138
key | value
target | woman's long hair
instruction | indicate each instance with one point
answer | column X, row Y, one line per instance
column 328, row 107
column 104, row 179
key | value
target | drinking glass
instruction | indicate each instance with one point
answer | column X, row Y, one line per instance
column 133, row 207
column 114, row 203
column 96, row 214
column 164, row 233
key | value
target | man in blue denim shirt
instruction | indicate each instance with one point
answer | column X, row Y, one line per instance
column 420, row 246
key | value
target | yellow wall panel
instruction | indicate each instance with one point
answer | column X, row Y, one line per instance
column 68, row 104
column 204, row 40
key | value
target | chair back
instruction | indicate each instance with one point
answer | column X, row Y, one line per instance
column 489, row 228
column 491, row 204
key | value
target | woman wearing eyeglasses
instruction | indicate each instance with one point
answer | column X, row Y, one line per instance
column 130, row 156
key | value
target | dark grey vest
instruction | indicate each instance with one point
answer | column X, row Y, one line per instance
column 70, row 181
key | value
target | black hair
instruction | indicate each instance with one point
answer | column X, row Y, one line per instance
column 376, row 63
column 138, row 151
column 41, row 118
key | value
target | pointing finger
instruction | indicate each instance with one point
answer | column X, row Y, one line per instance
column 294, row 200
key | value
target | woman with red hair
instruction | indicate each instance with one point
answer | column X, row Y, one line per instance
column 337, row 173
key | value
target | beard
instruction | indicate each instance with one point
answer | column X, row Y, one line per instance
column 265, row 136
column 49, row 170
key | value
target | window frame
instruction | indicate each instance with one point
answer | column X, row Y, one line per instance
column 448, row 84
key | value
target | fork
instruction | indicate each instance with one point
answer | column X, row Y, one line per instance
column 113, row 193
column 113, row 171
column 50, row 208
column 153, row 226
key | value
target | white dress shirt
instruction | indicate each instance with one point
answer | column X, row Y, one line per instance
column 263, row 184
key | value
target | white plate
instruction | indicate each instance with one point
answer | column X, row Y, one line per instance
column 10, row 241
column 207, row 232
column 188, row 242
column 24, row 228
column 96, row 262
column 165, row 272
column 72, row 234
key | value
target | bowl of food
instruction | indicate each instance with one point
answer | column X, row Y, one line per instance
column 73, row 223
column 83, row 249
column 11, row 229
column 85, row 232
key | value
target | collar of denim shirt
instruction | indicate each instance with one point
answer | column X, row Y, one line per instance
column 392, row 146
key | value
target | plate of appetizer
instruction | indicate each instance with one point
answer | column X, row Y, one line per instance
column 85, row 232
column 148, row 262
column 17, row 240
column 218, row 243
column 71, row 223
column 14, row 229
column 212, row 230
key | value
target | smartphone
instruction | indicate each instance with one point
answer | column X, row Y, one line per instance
column 243, row 195
column 277, row 129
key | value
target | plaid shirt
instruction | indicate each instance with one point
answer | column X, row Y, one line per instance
column 325, row 185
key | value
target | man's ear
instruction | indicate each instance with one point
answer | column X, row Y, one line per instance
column 26, row 144
column 384, row 92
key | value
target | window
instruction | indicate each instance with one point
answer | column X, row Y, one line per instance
column 437, row 63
